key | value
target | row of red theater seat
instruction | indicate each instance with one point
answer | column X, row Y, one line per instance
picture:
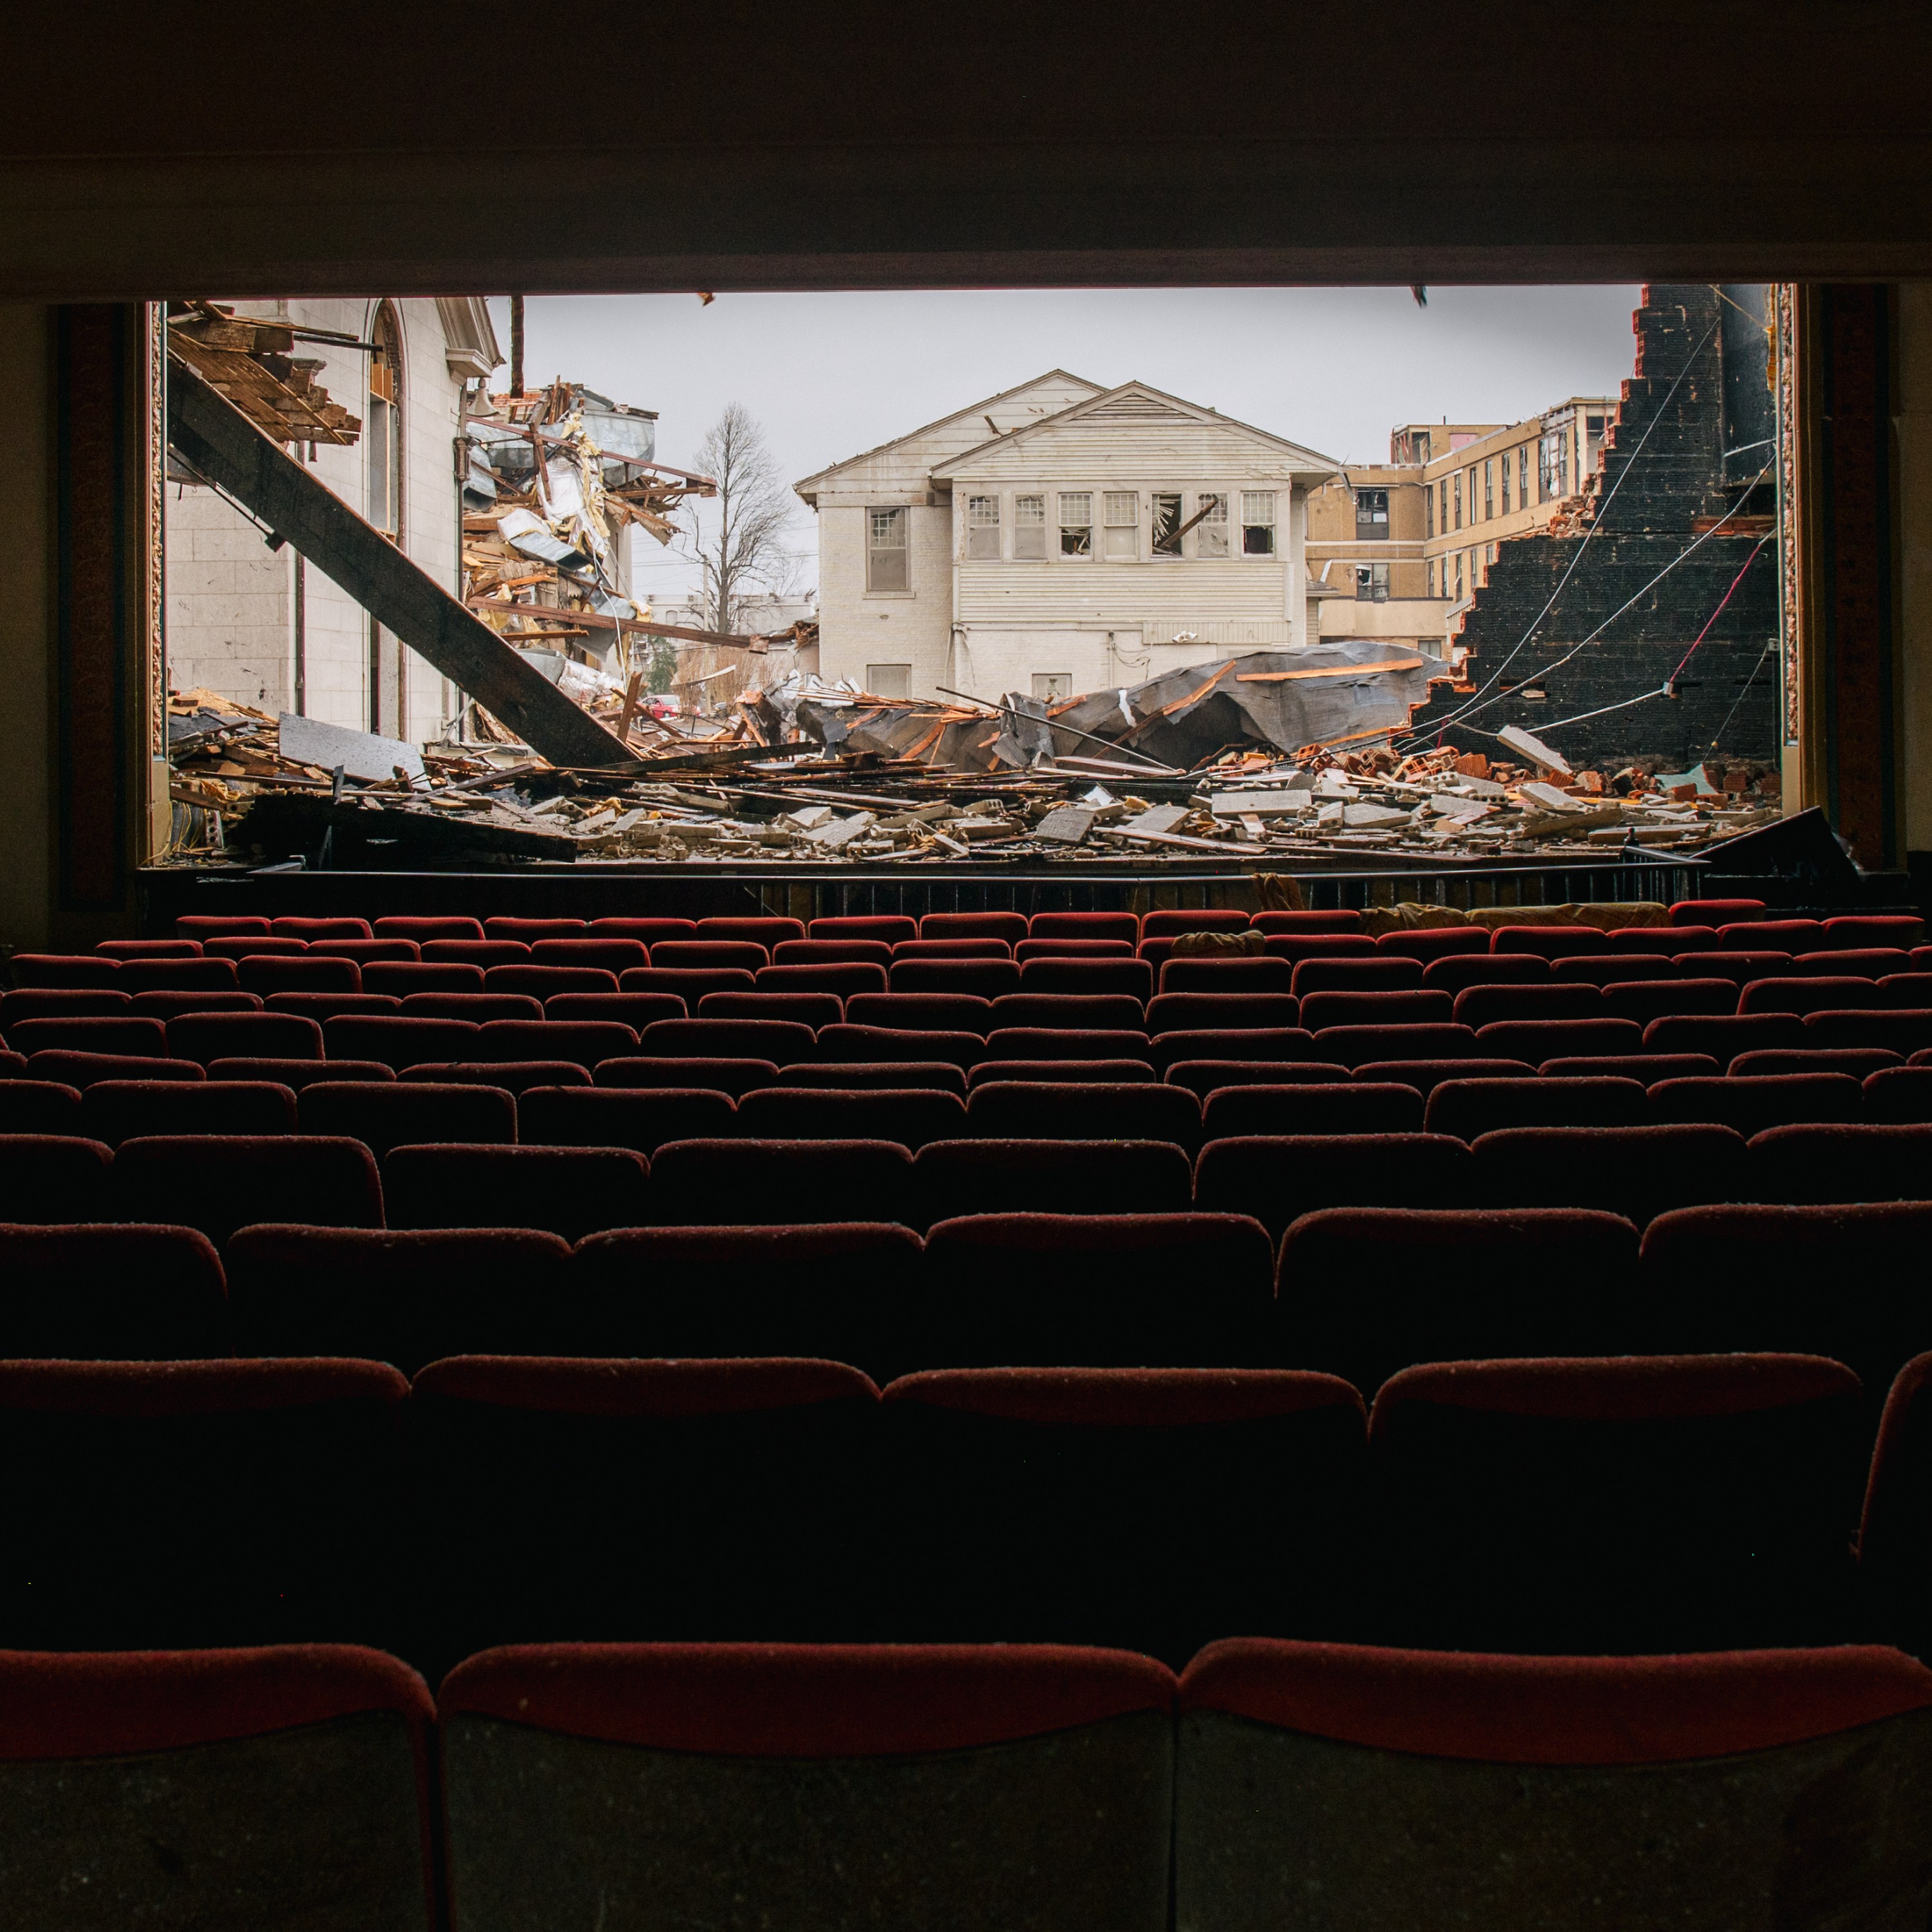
column 614, row 1053
column 221, row 1182
column 1567, row 1505
column 503, row 1102
column 1184, row 1290
column 1022, row 1785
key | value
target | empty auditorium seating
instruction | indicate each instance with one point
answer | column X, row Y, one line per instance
column 883, row 1781
column 1123, row 1506
column 204, row 1037
column 1823, row 1163
column 1070, row 1043
column 250, row 945
column 1722, row 1036
column 841, row 980
column 1425, row 1075
column 514, row 1076
column 745, row 1183
column 1034, row 1176
column 1857, row 1061
column 1740, row 968
column 297, row 1074
column 148, row 949
column 366, row 951
column 983, row 979
column 1460, row 1283
column 82, row 1069
column 178, row 976
column 1863, row 963
column 291, row 926
column 1209, row 975
column 807, row 1009
column 570, row 1191
column 1763, row 935
column 1665, row 1504
column 406, row 1298
column 942, row 1013
column 407, row 979
column 911, row 1116
column 481, row 953
column 1194, row 1012
column 1080, row 949
column 49, row 1179
column 1536, row 1041
column 28, row 1002
column 1081, row 1110
column 263, row 1786
column 1009, row 926
column 844, row 952
column 540, row 982
column 1468, row 1107
column 1278, row 1177
column 1307, row 1107
column 1355, row 1045
column 166, row 1006
column 1553, row 942
column 1554, row 999
column 114, row 1111
column 614, row 954
column 203, row 926
column 1644, row 1000
column 219, row 1182
column 419, row 927
column 199, row 1503
column 1430, row 942
column 1680, row 942
column 1396, row 1788
column 1133, row 978
column 1084, row 1012
column 1636, row 1171
column 687, row 984
column 1092, row 1290
column 1716, row 912
column 1413, row 1006
column 310, row 974
column 1261, row 1045
column 72, row 970
column 886, row 928
column 941, row 1076
column 1485, row 968
column 1813, row 995
column 756, row 931
column 322, row 1007
column 88, row 1033
column 1340, row 920
column 952, row 949
column 383, row 1114
column 399, row 1042
column 526, row 932
column 1387, row 972
column 109, row 1293
column 696, row 1500
column 1606, row 969
column 1900, row 1096
column 1895, row 1558
column 635, row 1010
column 1752, row 1103
column 650, row 931
column 1904, row 1030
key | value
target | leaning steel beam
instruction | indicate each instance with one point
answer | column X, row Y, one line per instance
column 219, row 442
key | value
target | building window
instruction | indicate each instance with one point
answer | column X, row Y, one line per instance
column 1210, row 523
column 1428, row 511
column 1442, row 505
column 1549, row 473
column 1371, row 515
column 1472, row 496
column 1523, row 477
column 1489, row 489
column 889, row 680
column 982, row 526
column 1459, row 499
column 1076, row 523
column 1593, row 428
column 886, row 562
column 1460, row 556
column 1506, row 482
column 1431, row 577
column 1053, row 685
column 1030, row 526
column 1167, row 523
column 1564, row 461
column 1372, row 583
column 1258, row 522
column 381, row 426
column 1123, row 526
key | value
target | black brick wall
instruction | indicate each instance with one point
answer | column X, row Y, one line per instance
column 1675, row 477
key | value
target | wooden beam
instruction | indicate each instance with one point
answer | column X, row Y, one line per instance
column 1327, row 670
column 220, row 443
column 598, row 621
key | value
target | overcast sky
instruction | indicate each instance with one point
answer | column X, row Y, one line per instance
column 830, row 375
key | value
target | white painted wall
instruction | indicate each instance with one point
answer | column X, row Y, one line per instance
column 231, row 618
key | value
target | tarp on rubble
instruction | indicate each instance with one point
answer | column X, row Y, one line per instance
column 1327, row 693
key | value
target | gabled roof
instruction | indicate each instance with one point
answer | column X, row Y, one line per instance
column 805, row 483
column 1142, row 402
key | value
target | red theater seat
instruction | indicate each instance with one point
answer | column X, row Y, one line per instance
column 567, row 1191
column 1342, row 921
column 1639, row 1172
column 1538, row 1040
column 1897, row 1095
column 687, row 984
column 177, row 975
column 1723, row 1036
column 1803, row 996
column 167, row 1006
column 527, row 932
column 204, row 1504
column 1073, row 949
column 407, row 979
column 52, row 1003
column 38, row 1106
column 1752, row 1103
column 1081, row 1110
column 542, row 981
column 246, row 947
column 1078, row 1012
column 1203, row 918
column 942, row 1012
column 311, row 973
column 1783, row 935
column 1644, row 1000
column 1295, row 946
column 1132, row 978
column 650, row 931
column 780, row 1041
column 480, row 953
column 1084, row 925
column 68, row 971
column 1486, row 969
column 1862, row 963
column 843, row 952
column 1279, row 1177
column 952, row 948
column 322, row 1007
column 938, row 1076
column 910, row 1116
column 403, row 1297
column 289, row 927
column 1857, row 1061
column 765, row 932
column 398, row 1042
column 199, row 926
column 269, row 1766
column 586, row 1042
column 747, row 1183
column 1415, row 1006
column 479, row 1008
column 1553, row 942
column 977, row 979
column 886, row 1778
column 728, row 1076
column 843, row 981
column 1895, row 1563
column 1057, row 1072
column 1260, row 1044
column 204, row 1037
column 82, row 1069
column 1906, row 1030
column 219, row 1182
column 1467, row 1107
column 803, row 1009
column 1511, row 1790
column 112, row 1293
column 1185, row 1013
column 1716, row 912
column 1355, row 1045
column 1425, row 1075
column 886, row 928
column 367, row 951
column 1068, row 1043
column 848, row 1042
column 612, row 954
column 88, row 1033
column 642, row 1119
column 838, row 1292
column 297, row 1074
column 114, row 1111
column 754, row 1473
column 1009, row 926
column 1386, row 973
column 1036, row 1176
column 1906, row 989
column 1459, row 1284
column 1829, row 1162
column 48, row 1180
column 419, row 927
column 1123, row 1506
column 386, row 1114
column 514, row 1076
column 1428, row 943
column 1555, row 1000
column 635, row 1010
column 1307, row 1107
column 1884, row 929
column 1248, row 975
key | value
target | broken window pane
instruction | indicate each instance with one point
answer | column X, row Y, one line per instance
column 1210, row 529
column 1123, row 525
column 889, row 680
column 1505, row 467
column 1372, row 583
column 1076, row 523
column 1428, row 510
column 1053, row 684
column 1167, row 523
column 982, row 526
column 1489, row 490
column 1371, row 515
column 886, row 563
column 1258, row 522
column 1459, row 499
column 1029, row 526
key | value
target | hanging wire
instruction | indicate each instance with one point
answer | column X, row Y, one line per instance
column 1770, row 644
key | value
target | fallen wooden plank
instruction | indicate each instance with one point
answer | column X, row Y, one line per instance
column 1327, row 670
column 219, row 442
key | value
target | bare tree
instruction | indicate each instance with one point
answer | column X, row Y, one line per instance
column 739, row 535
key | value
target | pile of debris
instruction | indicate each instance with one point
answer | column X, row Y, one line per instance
column 252, row 361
